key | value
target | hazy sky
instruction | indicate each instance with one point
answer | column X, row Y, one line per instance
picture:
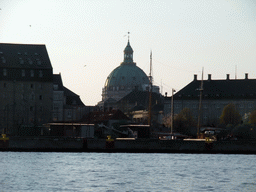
column 184, row 36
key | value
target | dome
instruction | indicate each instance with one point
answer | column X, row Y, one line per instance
column 124, row 78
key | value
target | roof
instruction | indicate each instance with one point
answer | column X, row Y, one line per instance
column 24, row 56
column 141, row 98
column 100, row 116
column 58, row 81
column 219, row 89
column 72, row 98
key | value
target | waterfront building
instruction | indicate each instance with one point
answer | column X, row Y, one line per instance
column 67, row 105
column 215, row 96
column 25, row 86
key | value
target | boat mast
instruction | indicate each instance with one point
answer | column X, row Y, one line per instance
column 150, row 92
column 200, row 105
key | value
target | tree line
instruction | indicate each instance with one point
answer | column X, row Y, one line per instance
column 232, row 123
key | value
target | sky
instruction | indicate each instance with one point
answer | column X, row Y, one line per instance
column 85, row 39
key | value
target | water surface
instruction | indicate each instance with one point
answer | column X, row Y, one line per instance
column 38, row 171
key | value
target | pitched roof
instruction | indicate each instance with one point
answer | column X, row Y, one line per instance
column 219, row 89
column 24, row 56
column 100, row 116
column 58, row 81
column 141, row 97
column 72, row 98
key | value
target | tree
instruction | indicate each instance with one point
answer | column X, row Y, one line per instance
column 167, row 120
column 230, row 115
column 184, row 121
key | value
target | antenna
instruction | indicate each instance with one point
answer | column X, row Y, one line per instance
column 200, row 104
column 150, row 91
column 236, row 72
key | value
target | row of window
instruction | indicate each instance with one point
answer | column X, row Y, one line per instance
column 241, row 105
column 31, row 108
column 5, row 85
column 31, row 97
column 38, row 61
column 23, row 73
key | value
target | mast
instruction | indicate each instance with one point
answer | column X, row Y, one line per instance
column 200, row 105
column 150, row 92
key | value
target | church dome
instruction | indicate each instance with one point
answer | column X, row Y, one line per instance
column 124, row 78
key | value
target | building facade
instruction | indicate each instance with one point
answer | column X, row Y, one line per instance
column 67, row 106
column 25, row 86
column 216, row 94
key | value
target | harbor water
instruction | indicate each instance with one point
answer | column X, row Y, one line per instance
column 41, row 171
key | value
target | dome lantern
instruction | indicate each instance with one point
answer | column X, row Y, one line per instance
column 128, row 54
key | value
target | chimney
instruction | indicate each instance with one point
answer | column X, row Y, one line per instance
column 195, row 77
column 209, row 77
column 227, row 76
column 246, row 75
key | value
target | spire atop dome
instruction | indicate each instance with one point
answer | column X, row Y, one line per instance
column 128, row 52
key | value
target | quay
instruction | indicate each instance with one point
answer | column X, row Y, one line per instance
column 126, row 145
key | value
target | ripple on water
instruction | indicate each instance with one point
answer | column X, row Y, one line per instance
column 126, row 172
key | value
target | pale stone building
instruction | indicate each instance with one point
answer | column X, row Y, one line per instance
column 216, row 95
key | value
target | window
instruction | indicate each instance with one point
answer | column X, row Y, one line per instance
column 55, row 87
column 55, row 106
column 40, row 86
column 21, row 61
column 23, row 73
column 31, row 108
column 5, row 85
column 32, row 86
column 30, row 61
column 55, row 97
column 40, row 73
column 69, row 114
column 3, row 60
column 32, row 73
column 32, row 97
column 4, row 72
column 38, row 62
column 40, row 97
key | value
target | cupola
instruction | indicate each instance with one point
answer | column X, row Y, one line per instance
column 128, row 54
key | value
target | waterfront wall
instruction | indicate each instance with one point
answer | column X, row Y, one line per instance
column 138, row 145
column 45, row 144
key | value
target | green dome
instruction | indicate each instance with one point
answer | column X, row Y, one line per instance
column 126, row 77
